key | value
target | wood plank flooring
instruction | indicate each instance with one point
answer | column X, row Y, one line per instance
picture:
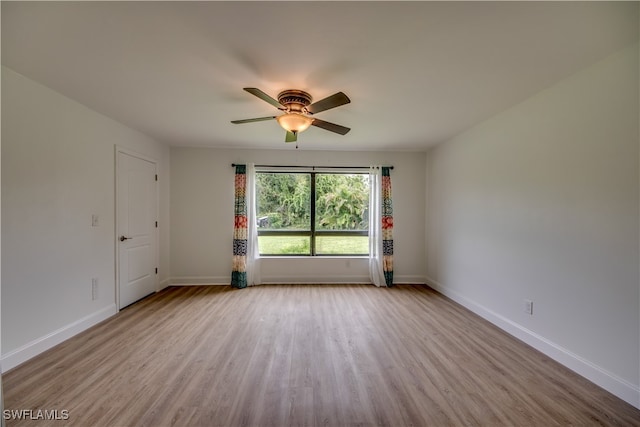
column 304, row 355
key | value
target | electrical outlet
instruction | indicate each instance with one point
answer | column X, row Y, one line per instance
column 94, row 288
column 528, row 307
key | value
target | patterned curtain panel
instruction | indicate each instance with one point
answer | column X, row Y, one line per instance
column 239, row 272
column 387, row 227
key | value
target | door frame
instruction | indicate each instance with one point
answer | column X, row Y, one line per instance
column 119, row 149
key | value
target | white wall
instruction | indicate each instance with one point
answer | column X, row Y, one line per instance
column 58, row 170
column 541, row 203
column 202, row 216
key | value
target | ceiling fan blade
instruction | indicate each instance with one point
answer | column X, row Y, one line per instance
column 259, row 119
column 291, row 137
column 260, row 94
column 330, row 126
column 333, row 101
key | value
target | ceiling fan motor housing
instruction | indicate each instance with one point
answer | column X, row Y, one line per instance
column 295, row 100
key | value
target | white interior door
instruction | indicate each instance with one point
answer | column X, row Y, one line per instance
column 136, row 225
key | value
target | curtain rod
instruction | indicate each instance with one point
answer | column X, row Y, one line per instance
column 311, row 167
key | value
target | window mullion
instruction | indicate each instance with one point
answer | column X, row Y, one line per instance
column 313, row 214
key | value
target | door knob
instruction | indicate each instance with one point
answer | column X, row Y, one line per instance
column 122, row 238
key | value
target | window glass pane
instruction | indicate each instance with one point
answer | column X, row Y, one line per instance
column 284, row 204
column 283, row 201
column 342, row 245
column 284, row 245
column 342, row 202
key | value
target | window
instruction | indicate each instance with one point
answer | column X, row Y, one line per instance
column 312, row 213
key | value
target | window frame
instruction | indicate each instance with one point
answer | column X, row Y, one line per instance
column 312, row 233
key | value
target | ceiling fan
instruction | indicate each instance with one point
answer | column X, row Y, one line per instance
column 298, row 110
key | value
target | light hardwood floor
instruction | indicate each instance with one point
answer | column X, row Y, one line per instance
column 305, row 355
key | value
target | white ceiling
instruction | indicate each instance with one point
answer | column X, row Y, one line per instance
column 417, row 73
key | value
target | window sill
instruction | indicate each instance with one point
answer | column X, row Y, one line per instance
column 314, row 257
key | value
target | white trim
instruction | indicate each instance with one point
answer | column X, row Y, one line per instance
column 199, row 280
column 289, row 280
column 164, row 284
column 44, row 343
column 123, row 150
column 408, row 280
column 320, row 279
column 621, row 388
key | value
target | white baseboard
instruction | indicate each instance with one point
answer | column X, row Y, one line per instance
column 199, row 280
column 339, row 279
column 166, row 282
column 315, row 279
column 409, row 280
column 621, row 388
column 42, row 344
column 267, row 280
column 288, row 280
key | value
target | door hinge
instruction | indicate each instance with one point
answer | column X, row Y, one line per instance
column 156, row 177
column 156, row 270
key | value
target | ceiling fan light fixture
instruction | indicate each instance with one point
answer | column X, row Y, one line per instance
column 297, row 110
column 294, row 122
